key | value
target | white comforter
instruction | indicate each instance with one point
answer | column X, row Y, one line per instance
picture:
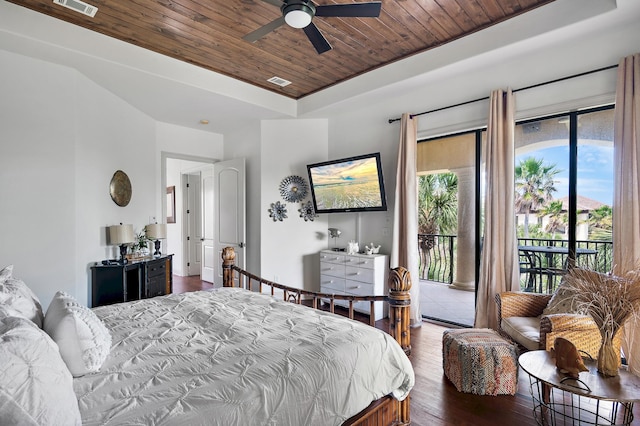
column 233, row 357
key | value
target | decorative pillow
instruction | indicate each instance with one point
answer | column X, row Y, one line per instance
column 19, row 298
column 562, row 302
column 36, row 387
column 6, row 273
column 83, row 339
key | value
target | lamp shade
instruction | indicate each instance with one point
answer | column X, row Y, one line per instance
column 121, row 234
column 156, row 231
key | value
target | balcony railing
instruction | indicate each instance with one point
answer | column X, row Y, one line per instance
column 438, row 260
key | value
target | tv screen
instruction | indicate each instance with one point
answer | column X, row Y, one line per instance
column 352, row 184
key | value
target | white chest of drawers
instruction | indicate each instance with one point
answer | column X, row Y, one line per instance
column 355, row 274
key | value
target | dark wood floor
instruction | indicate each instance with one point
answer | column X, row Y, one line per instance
column 434, row 400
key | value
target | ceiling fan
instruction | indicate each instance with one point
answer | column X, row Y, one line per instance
column 300, row 13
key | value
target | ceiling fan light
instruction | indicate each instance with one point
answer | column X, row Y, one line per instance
column 298, row 15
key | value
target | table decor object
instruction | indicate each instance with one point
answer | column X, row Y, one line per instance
column 335, row 234
column 278, row 211
column 568, row 359
column 120, row 188
column 293, row 189
column 307, row 211
column 610, row 300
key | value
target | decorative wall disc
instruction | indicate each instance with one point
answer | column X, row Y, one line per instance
column 120, row 188
column 278, row 211
column 293, row 189
column 307, row 211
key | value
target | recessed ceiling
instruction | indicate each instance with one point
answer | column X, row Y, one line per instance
column 210, row 35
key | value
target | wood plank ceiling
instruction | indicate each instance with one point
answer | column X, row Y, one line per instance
column 208, row 33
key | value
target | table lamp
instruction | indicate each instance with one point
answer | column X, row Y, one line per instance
column 121, row 235
column 335, row 234
column 157, row 232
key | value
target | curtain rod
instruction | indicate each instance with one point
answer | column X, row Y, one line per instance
column 391, row 120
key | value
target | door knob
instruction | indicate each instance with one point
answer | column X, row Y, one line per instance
column 241, row 245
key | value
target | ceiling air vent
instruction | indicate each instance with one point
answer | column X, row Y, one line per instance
column 78, row 6
column 279, row 81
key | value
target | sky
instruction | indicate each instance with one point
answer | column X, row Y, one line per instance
column 595, row 170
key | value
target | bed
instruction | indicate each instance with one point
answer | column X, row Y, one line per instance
column 226, row 357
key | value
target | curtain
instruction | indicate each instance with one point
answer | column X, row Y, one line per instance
column 405, row 218
column 626, row 200
column 499, row 269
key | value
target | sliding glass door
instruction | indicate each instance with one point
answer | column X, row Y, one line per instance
column 448, row 230
column 564, row 194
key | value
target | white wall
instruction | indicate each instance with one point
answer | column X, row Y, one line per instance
column 289, row 249
column 61, row 139
column 37, row 174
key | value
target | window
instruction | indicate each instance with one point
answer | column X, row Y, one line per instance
column 564, row 194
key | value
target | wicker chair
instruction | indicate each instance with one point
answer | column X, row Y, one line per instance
column 579, row 329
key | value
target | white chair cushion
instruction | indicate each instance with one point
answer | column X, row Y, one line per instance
column 18, row 298
column 36, row 387
column 83, row 339
column 524, row 330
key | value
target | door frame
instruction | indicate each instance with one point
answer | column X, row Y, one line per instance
column 162, row 190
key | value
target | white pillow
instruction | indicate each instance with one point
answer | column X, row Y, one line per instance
column 83, row 339
column 36, row 387
column 19, row 298
column 6, row 273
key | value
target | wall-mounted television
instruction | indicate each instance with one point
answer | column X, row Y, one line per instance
column 353, row 184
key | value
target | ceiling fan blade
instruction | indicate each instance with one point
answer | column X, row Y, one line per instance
column 264, row 30
column 351, row 10
column 316, row 38
column 276, row 3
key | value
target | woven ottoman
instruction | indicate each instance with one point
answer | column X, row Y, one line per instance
column 480, row 361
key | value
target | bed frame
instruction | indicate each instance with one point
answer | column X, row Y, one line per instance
column 387, row 410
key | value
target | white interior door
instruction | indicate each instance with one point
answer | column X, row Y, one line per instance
column 230, row 210
column 193, row 223
column 208, row 261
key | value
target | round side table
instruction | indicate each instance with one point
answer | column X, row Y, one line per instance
column 591, row 400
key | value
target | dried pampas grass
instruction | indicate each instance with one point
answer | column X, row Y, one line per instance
column 610, row 300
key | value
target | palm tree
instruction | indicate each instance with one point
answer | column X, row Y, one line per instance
column 534, row 186
column 437, row 210
column 557, row 219
column 438, row 202
column 601, row 223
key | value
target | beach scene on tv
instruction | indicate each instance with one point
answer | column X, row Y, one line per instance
column 347, row 185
